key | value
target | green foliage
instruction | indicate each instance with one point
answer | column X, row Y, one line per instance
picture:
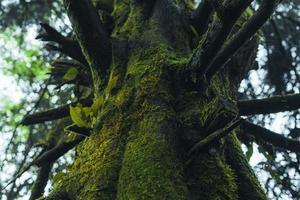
column 25, row 13
column 98, row 102
column 29, row 67
column 79, row 115
column 71, row 74
column 110, row 85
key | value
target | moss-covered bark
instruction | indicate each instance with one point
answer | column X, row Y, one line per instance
column 153, row 116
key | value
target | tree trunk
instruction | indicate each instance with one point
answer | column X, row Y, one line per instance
column 144, row 135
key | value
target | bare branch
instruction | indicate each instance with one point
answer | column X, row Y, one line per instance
column 218, row 134
column 90, row 33
column 41, row 181
column 245, row 177
column 50, row 156
column 58, row 151
column 271, row 137
column 216, row 36
column 67, row 46
column 22, row 171
column 244, row 34
column 269, row 105
column 52, row 114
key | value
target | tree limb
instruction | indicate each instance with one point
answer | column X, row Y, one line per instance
column 244, row 34
column 271, row 137
column 58, row 151
column 67, row 46
column 41, row 181
column 52, row 114
column 216, row 37
column 91, row 34
column 269, row 105
column 218, row 134
column 50, row 156
column 249, row 187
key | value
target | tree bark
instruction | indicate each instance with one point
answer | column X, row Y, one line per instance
column 155, row 113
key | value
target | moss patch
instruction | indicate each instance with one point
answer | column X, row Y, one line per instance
column 150, row 169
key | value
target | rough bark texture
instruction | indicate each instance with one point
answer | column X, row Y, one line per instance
column 153, row 116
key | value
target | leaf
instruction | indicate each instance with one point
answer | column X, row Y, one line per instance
column 87, row 111
column 111, row 84
column 70, row 74
column 249, row 152
column 76, row 116
column 97, row 104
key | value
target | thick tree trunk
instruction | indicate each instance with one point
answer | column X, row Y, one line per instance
column 144, row 133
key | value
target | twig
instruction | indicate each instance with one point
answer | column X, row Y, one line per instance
column 220, row 133
column 49, row 156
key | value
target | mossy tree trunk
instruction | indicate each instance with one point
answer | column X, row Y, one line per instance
column 159, row 107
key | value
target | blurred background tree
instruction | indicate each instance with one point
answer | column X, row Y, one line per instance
column 26, row 88
column 27, row 64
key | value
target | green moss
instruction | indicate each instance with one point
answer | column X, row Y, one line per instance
column 193, row 112
column 94, row 175
column 213, row 179
column 150, row 169
column 249, row 187
column 128, row 23
column 120, row 13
